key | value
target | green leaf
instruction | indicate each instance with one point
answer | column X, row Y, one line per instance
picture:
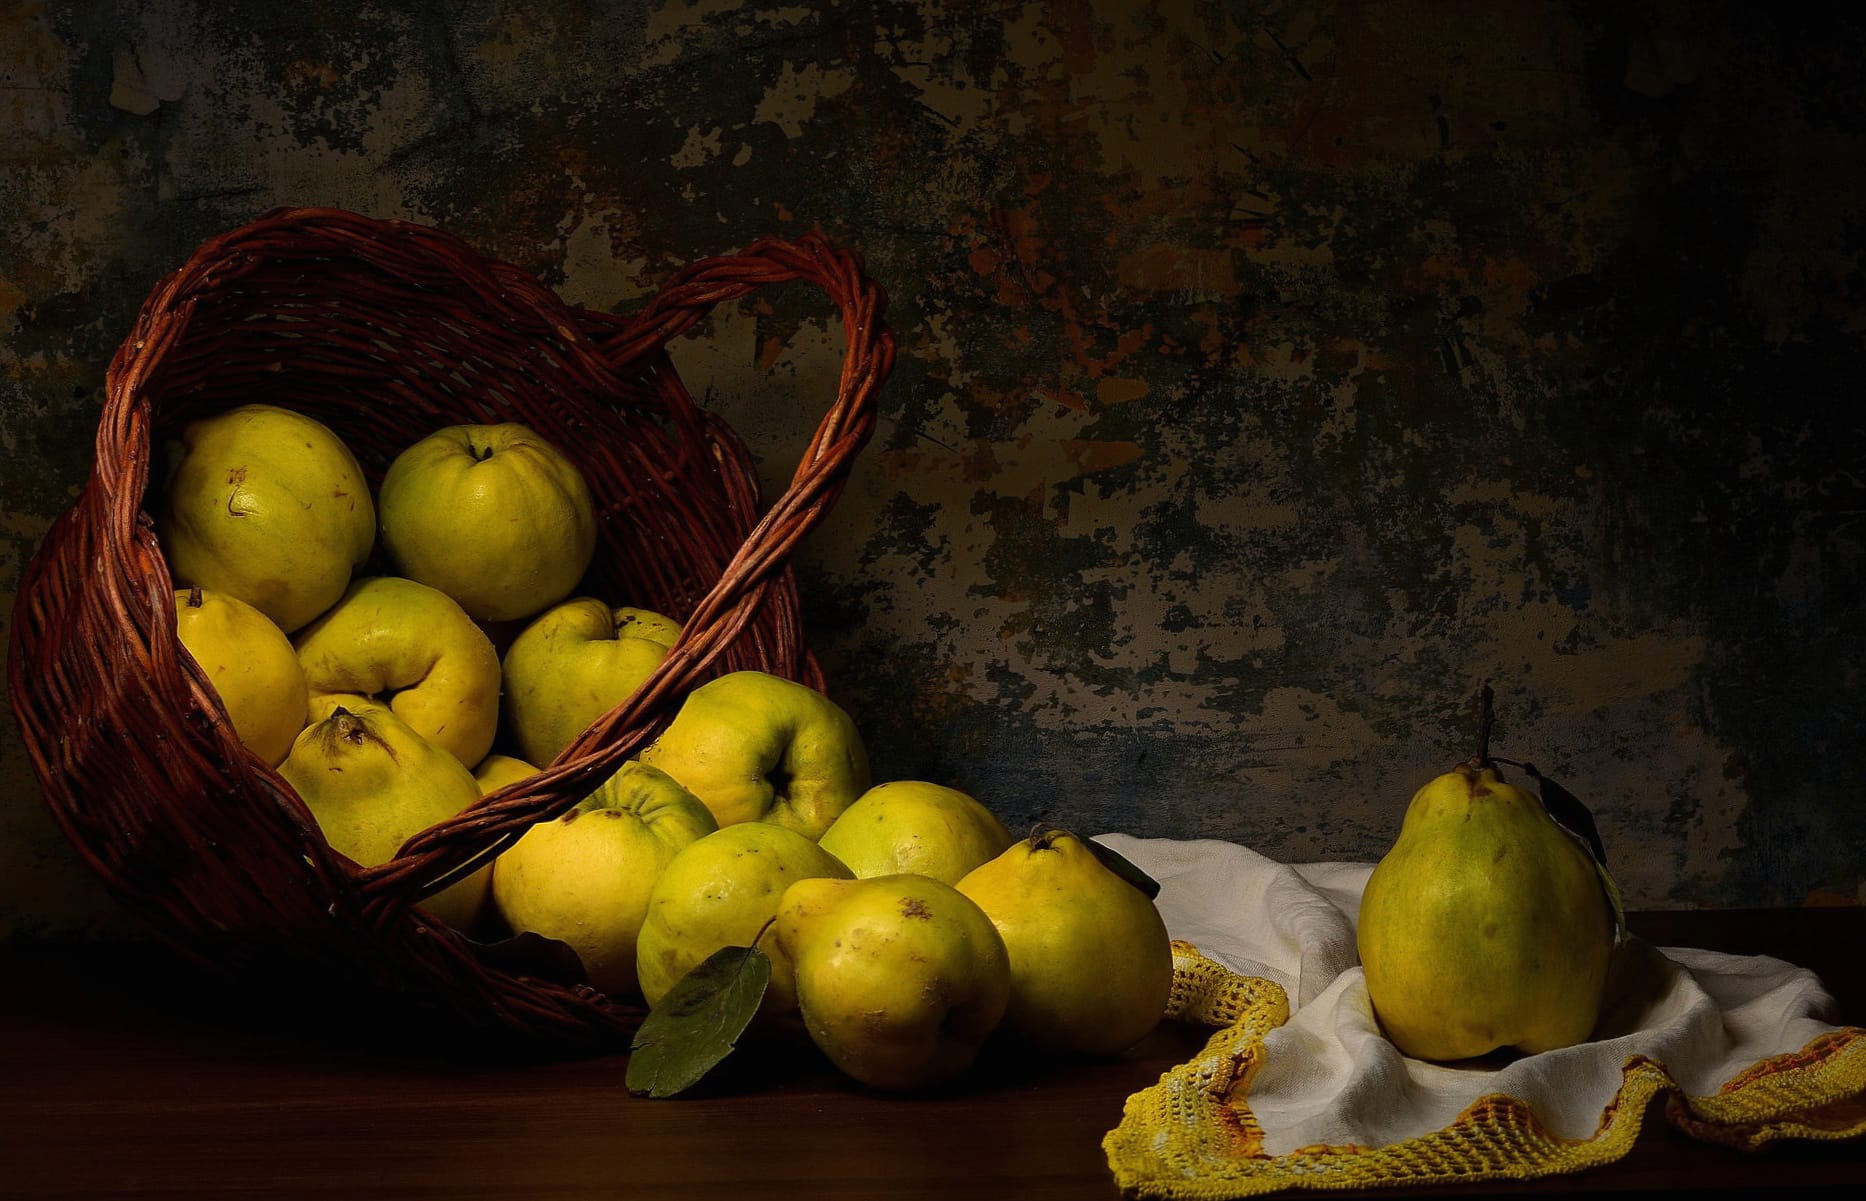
column 698, row 1022
column 1123, row 867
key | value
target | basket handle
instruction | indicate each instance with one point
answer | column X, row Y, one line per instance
column 454, row 849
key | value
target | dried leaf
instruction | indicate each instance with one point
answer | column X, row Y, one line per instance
column 1123, row 867
column 1568, row 812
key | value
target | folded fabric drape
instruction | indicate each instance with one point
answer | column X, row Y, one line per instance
column 1298, row 1087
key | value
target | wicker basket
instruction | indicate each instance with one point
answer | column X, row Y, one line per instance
column 386, row 331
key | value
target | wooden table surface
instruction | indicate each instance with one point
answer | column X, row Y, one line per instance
column 122, row 1075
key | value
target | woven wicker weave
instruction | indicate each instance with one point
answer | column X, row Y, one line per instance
column 386, row 331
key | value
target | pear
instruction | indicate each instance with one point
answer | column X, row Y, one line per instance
column 1091, row 961
column 1487, row 925
column 373, row 783
column 900, row 979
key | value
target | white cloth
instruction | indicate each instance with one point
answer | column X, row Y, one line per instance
column 1330, row 1077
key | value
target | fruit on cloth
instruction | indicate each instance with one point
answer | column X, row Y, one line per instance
column 721, row 891
column 266, row 505
column 755, row 746
column 576, row 661
column 1486, row 925
column 251, row 664
column 412, row 648
column 496, row 771
column 900, row 979
column 1091, row 961
column 495, row 516
column 915, row 826
column 373, row 783
column 584, row 878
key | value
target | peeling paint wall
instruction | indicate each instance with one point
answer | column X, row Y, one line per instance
column 1270, row 374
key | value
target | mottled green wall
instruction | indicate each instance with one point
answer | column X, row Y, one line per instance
column 1270, row 373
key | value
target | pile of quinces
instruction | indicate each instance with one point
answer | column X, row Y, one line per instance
column 902, row 923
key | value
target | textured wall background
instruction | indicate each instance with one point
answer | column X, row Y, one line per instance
column 1271, row 373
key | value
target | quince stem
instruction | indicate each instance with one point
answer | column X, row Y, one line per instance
column 343, row 726
column 1486, row 715
column 195, row 599
column 1043, row 834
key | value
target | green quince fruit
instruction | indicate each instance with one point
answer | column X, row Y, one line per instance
column 1486, row 926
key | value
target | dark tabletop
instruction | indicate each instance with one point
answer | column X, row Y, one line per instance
column 124, row 1074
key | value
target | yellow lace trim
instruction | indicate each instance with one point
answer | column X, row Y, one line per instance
column 1192, row 1136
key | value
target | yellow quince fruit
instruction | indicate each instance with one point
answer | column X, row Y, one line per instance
column 267, row 505
column 723, row 890
column 373, row 783
column 900, row 979
column 1091, row 960
column 573, row 663
column 414, row 649
column 918, row 827
column 251, row 664
column 496, row 771
column 757, row 747
column 495, row 516
column 585, row 878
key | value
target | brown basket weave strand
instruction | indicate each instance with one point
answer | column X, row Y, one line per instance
column 387, row 331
